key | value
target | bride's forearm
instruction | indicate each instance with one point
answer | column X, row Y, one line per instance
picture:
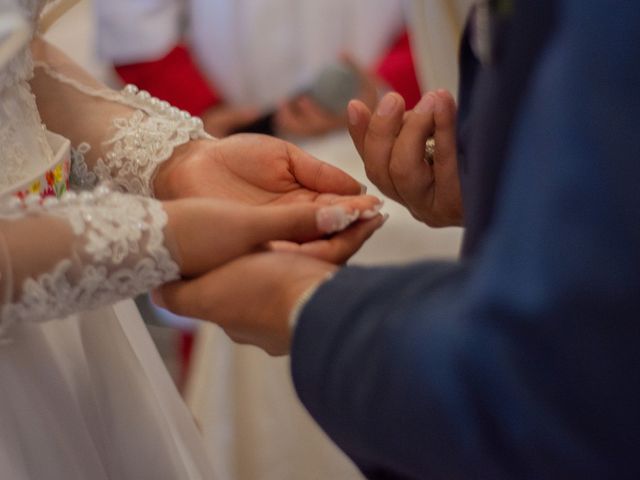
column 64, row 108
column 123, row 136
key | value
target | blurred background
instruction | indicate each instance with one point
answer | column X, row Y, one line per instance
column 283, row 67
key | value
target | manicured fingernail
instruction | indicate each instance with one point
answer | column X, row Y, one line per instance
column 352, row 113
column 335, row 219
column 363, row 189
column 372, row 212
column 158, row 301
column 388, row 105
column 426, row 104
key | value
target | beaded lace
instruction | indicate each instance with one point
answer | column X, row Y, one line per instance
column 116, row 251
column 138, row 145
column 99, row 246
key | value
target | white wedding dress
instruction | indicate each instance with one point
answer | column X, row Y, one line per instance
column 83, row 392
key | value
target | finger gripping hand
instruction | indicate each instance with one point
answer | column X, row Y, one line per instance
column 251, row 298
column 207, row 233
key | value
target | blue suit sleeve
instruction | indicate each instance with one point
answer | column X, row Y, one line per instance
column 523, row 360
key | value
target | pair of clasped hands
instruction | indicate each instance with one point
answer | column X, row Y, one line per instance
column 282, row 221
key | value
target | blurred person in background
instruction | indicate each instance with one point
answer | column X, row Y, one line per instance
column 230, row 61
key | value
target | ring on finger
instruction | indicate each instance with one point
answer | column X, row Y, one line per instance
column 430, row 151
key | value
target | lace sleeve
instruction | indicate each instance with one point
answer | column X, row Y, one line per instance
column 121, row 137
column 78, row 253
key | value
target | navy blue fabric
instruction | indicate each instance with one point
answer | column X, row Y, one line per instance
column 523, row 359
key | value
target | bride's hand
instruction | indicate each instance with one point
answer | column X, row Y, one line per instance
column 250, row 169
column 203, row 234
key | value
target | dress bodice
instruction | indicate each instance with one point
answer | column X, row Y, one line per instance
column 26, row 153
column 120, row 138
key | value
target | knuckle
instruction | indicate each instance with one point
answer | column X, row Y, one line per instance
column 373, row 174
column 397, row 172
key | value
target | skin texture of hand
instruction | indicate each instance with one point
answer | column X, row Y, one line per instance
column 259, row 170
column 302, row 117
column 203, row 234
column 250, row 298
column 222, row 120
column 392, row 142
column 250, row 169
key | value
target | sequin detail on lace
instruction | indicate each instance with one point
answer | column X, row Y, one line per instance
column 145, row 140
column 119, row 253
column 140, row 143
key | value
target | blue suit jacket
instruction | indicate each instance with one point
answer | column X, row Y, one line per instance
column 523, row 359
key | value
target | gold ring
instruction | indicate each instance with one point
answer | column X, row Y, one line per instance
column 430, row 151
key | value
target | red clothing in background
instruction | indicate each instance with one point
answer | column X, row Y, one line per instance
column 177, row 79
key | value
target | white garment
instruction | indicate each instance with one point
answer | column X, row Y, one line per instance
column 436, row 29
column 255, row 51
column 14, row 31
column 84, row 393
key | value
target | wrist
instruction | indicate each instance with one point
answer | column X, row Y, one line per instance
column 188, row 236
column 171, row 174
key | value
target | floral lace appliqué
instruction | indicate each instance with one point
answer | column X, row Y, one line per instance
column 119, row 253
column 140, row 143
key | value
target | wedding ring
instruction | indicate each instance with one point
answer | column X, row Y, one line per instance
column 430, row 151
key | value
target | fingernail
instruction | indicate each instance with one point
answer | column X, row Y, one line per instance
column 426, row 104
column 363, row 189
column 352, row 113
column 335, row 219
column 372, row 212
column 388, row 104
column 385, row 217
column 158, row 301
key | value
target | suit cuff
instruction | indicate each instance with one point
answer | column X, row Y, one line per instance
column 302, row 301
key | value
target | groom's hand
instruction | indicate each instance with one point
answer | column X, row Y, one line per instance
column 251, row 298
column 250, row 169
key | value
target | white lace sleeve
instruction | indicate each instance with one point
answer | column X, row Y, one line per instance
column 84, row 251
column 121, row 137
column 138, row 144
